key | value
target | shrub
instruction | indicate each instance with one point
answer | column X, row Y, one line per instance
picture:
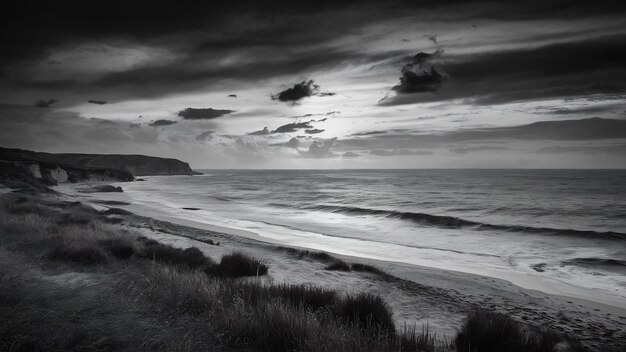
column 410, row 340
column 301, row 253
column 116, row 211
column 367, row 311
column 310, row 297
column 367, row 268
column 338, row 265
column 486, row 331
column 79, row 255
column 102, row 189
column 276, row 328
column 119, row 247
column 190, row 257
column 238, row 265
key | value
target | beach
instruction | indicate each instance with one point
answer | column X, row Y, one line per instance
column 418, row 295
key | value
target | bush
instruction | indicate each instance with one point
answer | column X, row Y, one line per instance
column 301, row 253
column 190, row 257
column 119, row 247
column 486, row 331
column 367, row 311
column 338, row 265
column 116, row 211
column 237, row 265
column 79, row 255
column 367, row 268
column 310, row 297
column 410, row 340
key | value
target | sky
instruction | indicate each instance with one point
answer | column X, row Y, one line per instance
column 319, row 84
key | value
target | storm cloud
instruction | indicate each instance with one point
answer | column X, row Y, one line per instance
column 511, row 74
column 292, row 127
column 45, row 103
column 159, row 123
column 299, row 91
column 203, row 114
column 420, row 75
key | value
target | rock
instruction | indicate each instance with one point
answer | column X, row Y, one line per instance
column 102, row 189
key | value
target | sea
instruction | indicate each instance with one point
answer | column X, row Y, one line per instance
column 558, row 231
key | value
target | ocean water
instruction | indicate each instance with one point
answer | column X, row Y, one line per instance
column 561, row 231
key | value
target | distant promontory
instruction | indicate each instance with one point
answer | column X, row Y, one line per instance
column 137, row 165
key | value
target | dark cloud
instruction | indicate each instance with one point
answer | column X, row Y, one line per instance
column 232, row 95
column 314, row 131
column 329, row 113
column 293, row 143
column 321, row 149
column 97, row 102
column 420, row 75
column 297, row 92
column 573, row 130
column 292, row 127
column 564, row 70
column 158, row 123
column 205, row 136
column 203, row 114
column 297, row 30
column 45, row 103
column 262, row 132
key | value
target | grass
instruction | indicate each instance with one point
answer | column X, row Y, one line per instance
column 368, row 311
column 119, row 247
column 78, row 255
column 367, row 269
column 338, row 265
column 302, row 253
column 237, row 265
column 116, row 211
column 486, row 331
column 192, row 257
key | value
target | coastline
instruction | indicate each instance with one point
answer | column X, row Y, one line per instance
column 418, row 295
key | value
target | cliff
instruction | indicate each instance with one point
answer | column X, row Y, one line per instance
column 137, row 165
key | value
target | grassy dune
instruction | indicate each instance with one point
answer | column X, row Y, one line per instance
column 72, row 279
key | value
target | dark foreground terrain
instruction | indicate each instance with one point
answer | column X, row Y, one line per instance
column 73, row 278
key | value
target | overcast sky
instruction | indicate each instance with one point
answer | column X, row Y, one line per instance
column 319, row 84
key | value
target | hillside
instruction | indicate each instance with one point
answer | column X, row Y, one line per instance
column 137, row 165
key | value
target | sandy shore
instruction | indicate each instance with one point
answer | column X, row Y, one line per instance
column 418, row 295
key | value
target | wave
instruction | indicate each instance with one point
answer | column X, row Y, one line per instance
column 451, row 222
column 596, row 262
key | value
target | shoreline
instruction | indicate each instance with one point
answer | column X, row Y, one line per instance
column 449, row 293
column 526, row 281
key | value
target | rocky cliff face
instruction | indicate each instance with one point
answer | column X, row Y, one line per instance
column 38, row 175
column 137, row 165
